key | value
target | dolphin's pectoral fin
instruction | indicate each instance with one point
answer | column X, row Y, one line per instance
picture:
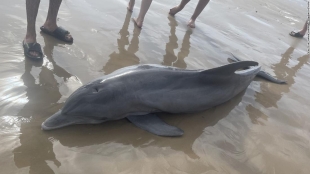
column 155, row 125
column 268, row 77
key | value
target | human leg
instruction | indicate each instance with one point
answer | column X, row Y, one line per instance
column 200, row 6
column 305, row 28
column 302, row 32
column 178, row 8
column 131, row 4
column 145, row 5
column 51, row 20
column 32, row 7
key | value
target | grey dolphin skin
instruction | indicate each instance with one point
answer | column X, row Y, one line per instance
column 139, row 92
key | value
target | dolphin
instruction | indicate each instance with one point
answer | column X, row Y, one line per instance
column 139, row 92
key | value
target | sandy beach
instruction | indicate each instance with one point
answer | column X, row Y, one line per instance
column 264, row 130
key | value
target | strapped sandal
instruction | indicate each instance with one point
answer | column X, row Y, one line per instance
column 296, row 34
column 59, row 33
column 35, row 47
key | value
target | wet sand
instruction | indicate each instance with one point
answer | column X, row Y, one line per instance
column 266, row 129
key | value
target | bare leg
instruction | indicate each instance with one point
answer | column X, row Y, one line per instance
column 32, row 7
column 178, row 8
column 200, row 6
column 300, row 33
column 145, row 5
column 130, row 5
column 304, row 30
column 51, row 20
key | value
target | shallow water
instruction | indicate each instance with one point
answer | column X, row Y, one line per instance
column 266, row 129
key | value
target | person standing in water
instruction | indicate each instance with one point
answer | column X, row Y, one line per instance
column 200, row 6
column 32, row 49
column 145, row 5
column 302, row 32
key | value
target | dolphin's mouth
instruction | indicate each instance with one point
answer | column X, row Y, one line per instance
column 56, row 121
column 250, row 70
column 59, row 120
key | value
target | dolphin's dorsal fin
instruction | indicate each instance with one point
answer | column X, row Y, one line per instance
column 231, row 68
column 155, row 125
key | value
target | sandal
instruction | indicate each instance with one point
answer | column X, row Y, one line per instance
column 59, row 33
column 35, row 47
column 296, row 34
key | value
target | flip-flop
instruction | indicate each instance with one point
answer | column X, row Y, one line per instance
column 35, row 47
column 59, row 33
column 296, row 34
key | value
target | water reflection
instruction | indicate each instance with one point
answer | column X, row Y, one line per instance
column 42, row 93
column 256, row 116
column 282, row 70
column 268, row 97
column 124, row 57
column 170, row 59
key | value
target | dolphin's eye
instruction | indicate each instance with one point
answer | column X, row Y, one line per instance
column 96, row 89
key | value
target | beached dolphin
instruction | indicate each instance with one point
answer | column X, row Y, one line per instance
column 139, row 92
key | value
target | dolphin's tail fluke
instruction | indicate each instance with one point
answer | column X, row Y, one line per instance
column 261, row 74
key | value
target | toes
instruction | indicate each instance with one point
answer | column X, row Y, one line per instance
column 191, row 24
column 172, row 11
column 68, row 37
column 292, row 33
column 33, row 53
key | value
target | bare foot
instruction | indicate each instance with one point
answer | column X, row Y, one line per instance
column 191, row 23
column 130, row 6
column 138, row 22
column 52, row 27
column 31, row 39
column 174, row 10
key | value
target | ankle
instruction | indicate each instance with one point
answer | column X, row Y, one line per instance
column 139, row 20
column 303, row 32
column 50, row 25
column 180, row 7
column 30, row 38
column 192, row 19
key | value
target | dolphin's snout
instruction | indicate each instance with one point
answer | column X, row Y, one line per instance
column 56, row 121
